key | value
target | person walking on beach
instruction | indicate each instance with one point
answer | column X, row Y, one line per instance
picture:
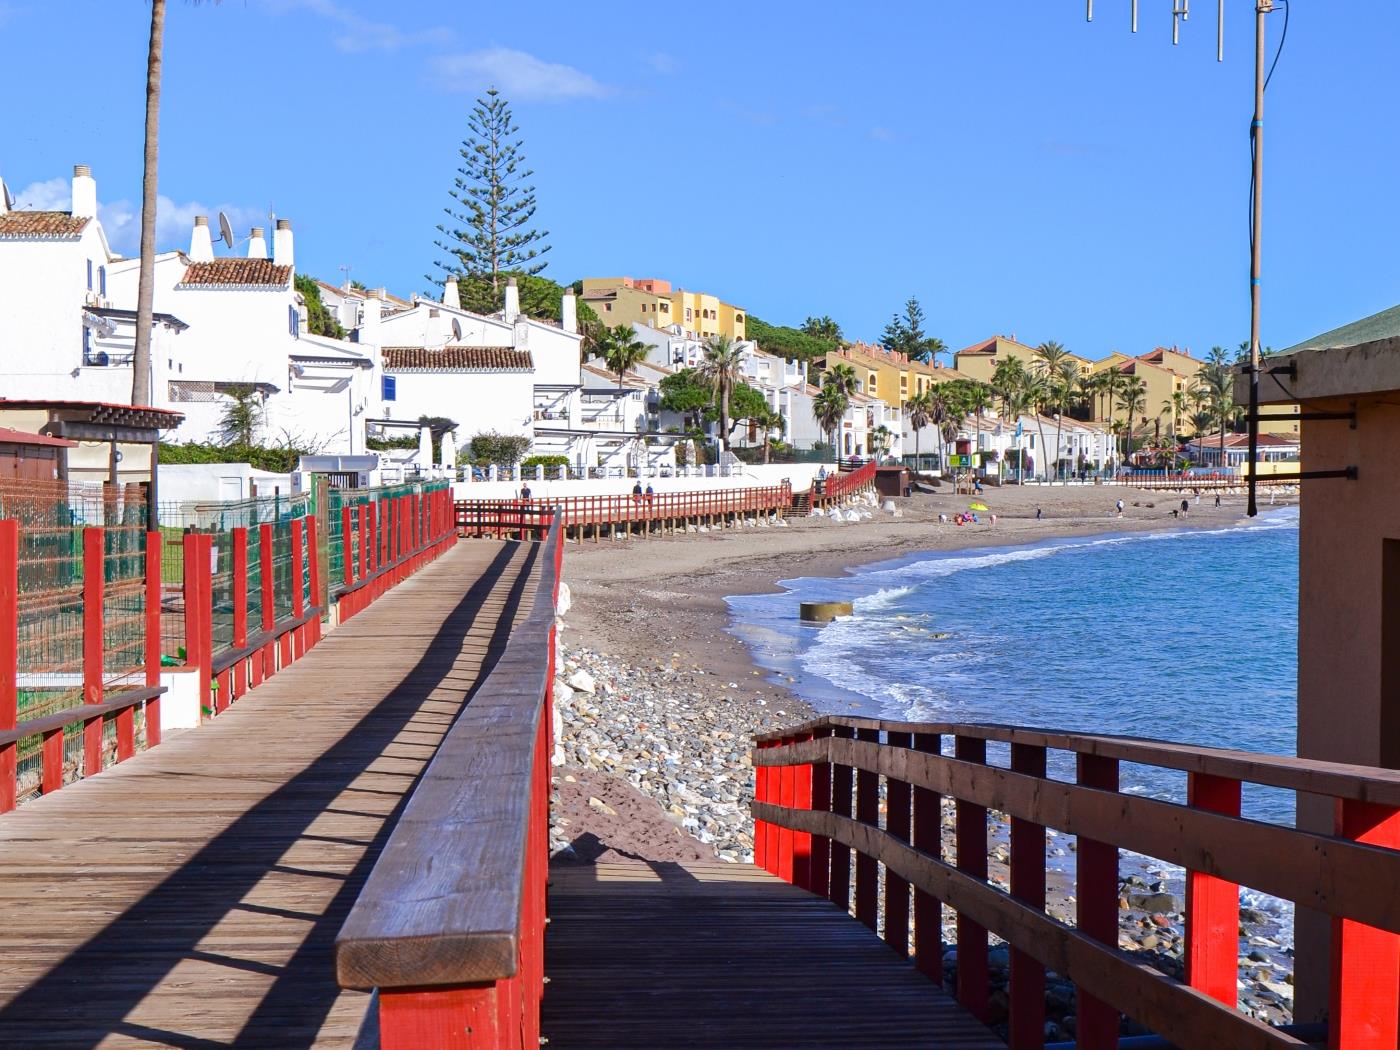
column 1038, row 514
column 1120, row 506
column 1217, row 499
column 1185, row 507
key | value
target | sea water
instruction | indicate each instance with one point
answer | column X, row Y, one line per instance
column 1185, row 635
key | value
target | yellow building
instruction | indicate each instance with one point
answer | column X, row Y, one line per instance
column 1165, row 372
column 889, row 375
column 649, row 301
column 980, row 360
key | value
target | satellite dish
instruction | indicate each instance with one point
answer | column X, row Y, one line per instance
column 456, row 330
column 225, row 230
column 9, row 197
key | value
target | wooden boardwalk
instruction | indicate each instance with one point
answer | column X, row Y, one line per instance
column 190, row 897
column 725, row 956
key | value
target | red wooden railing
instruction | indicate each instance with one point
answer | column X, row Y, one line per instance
column 81, row 618
column 449, row 928
column 662, row 511
column 384, row 541
column 817, row 794
column 837, row 487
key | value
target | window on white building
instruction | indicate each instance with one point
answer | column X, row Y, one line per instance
column 293, row 321
column 389, row 387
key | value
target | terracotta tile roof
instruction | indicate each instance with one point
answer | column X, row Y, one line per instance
column 458, row 358
column 236, row 273
column 22, row 225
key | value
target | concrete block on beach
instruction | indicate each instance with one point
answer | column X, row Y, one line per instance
column 824, row 612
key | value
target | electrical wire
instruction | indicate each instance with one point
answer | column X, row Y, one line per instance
column 1254, row 131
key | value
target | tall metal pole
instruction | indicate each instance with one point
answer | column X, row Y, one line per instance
column 1261, row 8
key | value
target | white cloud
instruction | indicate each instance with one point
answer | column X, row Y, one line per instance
column 356, row 33
column 517, row 74
column 121, row 219
column 882, row 134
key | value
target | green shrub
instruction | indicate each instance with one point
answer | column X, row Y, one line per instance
column 544, row 461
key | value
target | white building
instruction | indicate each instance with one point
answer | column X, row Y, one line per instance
column 67, row 328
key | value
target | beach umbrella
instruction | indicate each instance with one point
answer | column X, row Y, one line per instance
column 449, row 451
column 425, row 448
column 976, row 506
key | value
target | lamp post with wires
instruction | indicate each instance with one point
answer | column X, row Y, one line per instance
column 1181, row 12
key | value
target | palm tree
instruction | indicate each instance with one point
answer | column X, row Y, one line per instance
column 979, row 399
column 919, row 409
column 1217, row 385
column 1110, row 379
column 769, row 420
column 622, row 350
column 146, row 279
column 828, row 408
column 723, row 366
column 843, row 377
column 822, row 328
column 1132, row 399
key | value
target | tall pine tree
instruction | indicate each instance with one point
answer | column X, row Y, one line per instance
column 491, row 235
column 905, row 332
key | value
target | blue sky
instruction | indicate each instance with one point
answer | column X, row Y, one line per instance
column 1017, row 169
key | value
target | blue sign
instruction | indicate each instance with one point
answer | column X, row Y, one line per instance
column 1018, row 430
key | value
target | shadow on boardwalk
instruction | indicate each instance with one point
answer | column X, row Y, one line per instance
column 100, row 990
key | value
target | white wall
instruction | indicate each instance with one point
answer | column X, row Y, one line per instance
column 799, row 474
column 209, row 482
column 478, row 401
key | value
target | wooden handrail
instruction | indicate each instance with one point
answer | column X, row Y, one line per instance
column 846, row 759
column 454, row 905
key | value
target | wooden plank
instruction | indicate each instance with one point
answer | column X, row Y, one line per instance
column 1179, row 1013
column 193, row 892
column 1335, row 779
column 710, row 955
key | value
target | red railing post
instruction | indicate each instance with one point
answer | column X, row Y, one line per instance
column 240, row 610
column 9, row 661
column 1028, row 885
column 787, row 781
column 154, row 540
column 842, row 800
column 1096, row 887
column 760, row 827
column 898, row 825
column 94, row 540
column 347, row 546
column 467, row 1017
column 820, row 870
column 970, row 825
column 1365, row 960
column 1213, row 904
column 928, row 839
column 267, row 598
column 362, row 512
column 802, row 840
column 867, row 812
column 313, row 577
column 298, row 591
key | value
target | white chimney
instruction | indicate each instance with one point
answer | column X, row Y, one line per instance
column 201, row 246
column 512, row 310
column 369, row 319
column 568, row 312
column 84, row 192
column 451, row 295
column 282, row 243
column 257, row 243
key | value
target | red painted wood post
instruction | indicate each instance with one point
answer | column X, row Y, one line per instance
column 154, row 541
column 928, row 839
column 240, row 610
column 362, row 512
column 1028, row 885
column 190, row 587
column 971, row 832
column 867, row 812
column 898, row 824
column 9, row 660
column 802, row 840
column 347, row 550
column 298, row 583
column 204, row 567
column 842, row 804
column 1365, row 961
column 1213, row 904
column 313, row 552
column 467, row 1017
column 787, row 782
column 1096, row 887
column 820, row 879
column 93, row 597
column 267, row 595
column 760, row 794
